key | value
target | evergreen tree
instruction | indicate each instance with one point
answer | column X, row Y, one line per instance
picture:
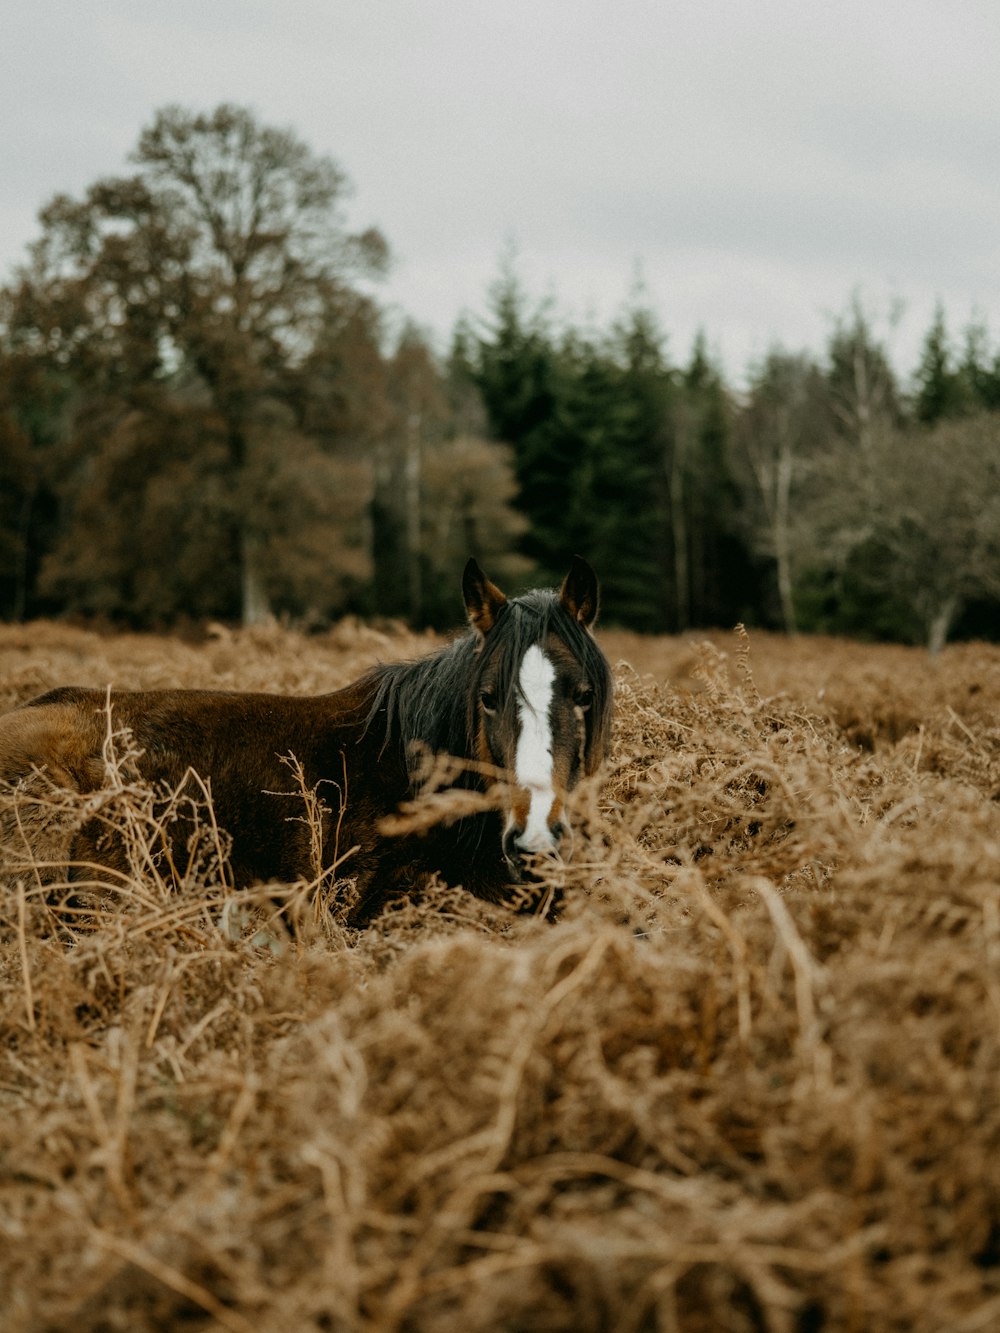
column 941, row 390
column 519, row 375
column 634, row 481
column 722, row 577
column 615, row 503
column 980, row 376
column 617, row 457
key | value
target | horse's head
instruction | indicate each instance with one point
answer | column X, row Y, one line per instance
column 540, row 706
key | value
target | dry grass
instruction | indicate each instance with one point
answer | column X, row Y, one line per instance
column 748, row 1081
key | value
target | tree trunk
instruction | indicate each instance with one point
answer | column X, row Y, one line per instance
column 21, row 557
column 782, row 539
column 413, row 525
column 940, row 624
column 256, row 607
column 678, row 522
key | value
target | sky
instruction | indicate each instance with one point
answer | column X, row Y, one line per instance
column 749, row 166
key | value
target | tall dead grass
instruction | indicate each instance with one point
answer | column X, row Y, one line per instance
column 747, row 1081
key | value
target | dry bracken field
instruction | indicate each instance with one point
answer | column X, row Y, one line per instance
column 747, row 1080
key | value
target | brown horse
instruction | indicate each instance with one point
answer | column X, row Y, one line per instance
column 524, row 697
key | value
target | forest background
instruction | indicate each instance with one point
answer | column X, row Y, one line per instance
column 203, row 415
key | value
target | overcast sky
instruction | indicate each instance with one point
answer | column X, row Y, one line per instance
column 757, row 161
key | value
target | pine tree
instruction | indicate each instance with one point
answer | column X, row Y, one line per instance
column 980, row 376
column 645, row 558
column 524, row 381
column 941, row 392
column 720, row 565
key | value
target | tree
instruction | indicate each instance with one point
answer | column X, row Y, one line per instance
column 443, row 491
column 523, row 378
column 216, row 270
column 143, row 514
column 717, row 558
column 36, row 400
column 17, row 492
column 860, row 382
column 839, row 484
column 419, row 418
column 778, row 433
column 469, row 493
column 638, row 496
column 937, row 521
column 941, row 391
column 591, row 466
column 979, row 374
column 618, row 454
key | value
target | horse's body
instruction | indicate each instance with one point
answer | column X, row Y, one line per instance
column 525, row 695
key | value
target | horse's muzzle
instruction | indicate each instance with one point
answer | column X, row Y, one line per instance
column 516, row 848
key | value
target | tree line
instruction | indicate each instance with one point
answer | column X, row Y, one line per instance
column 203, row 415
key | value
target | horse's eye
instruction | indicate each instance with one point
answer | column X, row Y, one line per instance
column 489, row 701
column 583, row 696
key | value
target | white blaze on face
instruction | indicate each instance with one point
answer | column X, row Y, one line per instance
column 533, row 758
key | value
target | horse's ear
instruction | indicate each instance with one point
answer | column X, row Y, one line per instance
column 580, row 595
column 483, row 600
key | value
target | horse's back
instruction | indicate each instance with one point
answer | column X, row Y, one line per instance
column 239, row 744
column 64, row 731
column 59, row 732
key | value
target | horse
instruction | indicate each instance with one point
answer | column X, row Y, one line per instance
column 521, row 702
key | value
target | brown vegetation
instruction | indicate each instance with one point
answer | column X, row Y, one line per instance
column 747, row 1081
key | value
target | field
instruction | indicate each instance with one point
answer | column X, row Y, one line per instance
column 748, row 1080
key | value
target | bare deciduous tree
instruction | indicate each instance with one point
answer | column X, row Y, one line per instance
column 937, row 518
column 778, row 435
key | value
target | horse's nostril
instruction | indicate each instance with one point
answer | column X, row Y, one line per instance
column 512, row 842
column 558, row 832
